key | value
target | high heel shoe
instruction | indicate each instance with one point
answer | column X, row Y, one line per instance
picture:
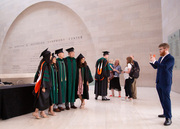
column 111, row 95
column 36, row 115
column 43, row 115
column 83, row 103
column 82, row 106
column 51, row 113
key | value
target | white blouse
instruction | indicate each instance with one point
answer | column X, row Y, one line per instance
column 126, row 75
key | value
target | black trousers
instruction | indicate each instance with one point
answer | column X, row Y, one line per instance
column 128, row 84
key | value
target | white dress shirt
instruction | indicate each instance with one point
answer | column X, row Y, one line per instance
column 162, row 58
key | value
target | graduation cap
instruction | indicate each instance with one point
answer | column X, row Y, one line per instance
column 105, row 53
column 59, row 51
column 70, row 49
column 45, row 52
column 80, row 57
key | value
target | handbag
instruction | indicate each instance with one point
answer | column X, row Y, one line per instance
column 111, row 75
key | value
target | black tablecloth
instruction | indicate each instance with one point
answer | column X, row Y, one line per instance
column 16, row 100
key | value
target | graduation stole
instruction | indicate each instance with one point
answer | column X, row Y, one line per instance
column 71, row 64
column 82, row 74
column 39, row 80
column 54, row 79
column 61, row 69
column 99, row 67
column 52, row 75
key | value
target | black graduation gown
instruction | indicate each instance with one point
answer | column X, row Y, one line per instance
column 101, row 85
column 44, row 100
column 87, row 78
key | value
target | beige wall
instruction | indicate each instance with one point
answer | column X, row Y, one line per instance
column 170, row 24
column 120, row 26
column 42, row 25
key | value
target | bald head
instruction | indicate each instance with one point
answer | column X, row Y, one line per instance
column 132, row 56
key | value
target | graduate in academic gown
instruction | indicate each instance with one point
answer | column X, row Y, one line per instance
column 62, row 79
column 55, row 87
column 83, row 79
column 43, row 85
column 70, row 63
column 101, row 77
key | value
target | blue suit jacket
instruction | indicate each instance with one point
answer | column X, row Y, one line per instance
column 164, row 71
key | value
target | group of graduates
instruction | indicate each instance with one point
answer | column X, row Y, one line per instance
column 60, row 81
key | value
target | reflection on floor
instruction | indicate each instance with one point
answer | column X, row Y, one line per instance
column 114, row 114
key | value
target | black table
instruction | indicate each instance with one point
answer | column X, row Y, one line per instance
column 16, row 100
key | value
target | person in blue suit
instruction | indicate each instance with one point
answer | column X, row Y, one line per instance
column 164, row 68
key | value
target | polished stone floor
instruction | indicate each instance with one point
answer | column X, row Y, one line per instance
column 114, row 114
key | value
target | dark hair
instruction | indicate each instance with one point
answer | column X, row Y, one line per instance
column 105, row 54
column 40, row 64
column 164, row 45
column 54, row 63
column 80, row 65
column 46, row 58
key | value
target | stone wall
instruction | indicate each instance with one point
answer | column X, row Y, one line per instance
column 171, row 24
column 120, row 26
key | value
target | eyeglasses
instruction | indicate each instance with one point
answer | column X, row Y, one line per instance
column 161, row 49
